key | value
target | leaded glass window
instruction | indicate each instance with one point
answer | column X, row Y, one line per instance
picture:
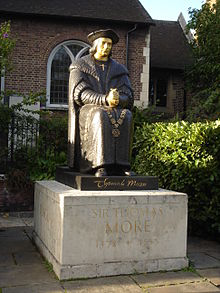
column 158, row 92
column 58, row 70
column 161, row 100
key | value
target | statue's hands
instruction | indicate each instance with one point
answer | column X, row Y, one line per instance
column 113, row 98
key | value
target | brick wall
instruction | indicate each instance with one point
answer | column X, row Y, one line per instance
column 36, row 37
column 136, row 59
column 178, row 87
column 175, row 89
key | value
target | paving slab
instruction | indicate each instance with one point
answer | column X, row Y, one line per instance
column 13, row 233
column 121, row 284
column 168, row 278
column 8, row 221
column 31, row 276
column 201, row 260
column 29, row 232
column 25, row 275
column 6, row 259
column 27, row 257
column 42, row 288
column 196, row 244
column 214, row 254
column 28, row 221
column 212, row 275
column 14, row 240
column 16, row 245
column 202, row 287
column 21, row 214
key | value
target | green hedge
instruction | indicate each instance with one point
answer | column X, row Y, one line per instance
column 186, row 157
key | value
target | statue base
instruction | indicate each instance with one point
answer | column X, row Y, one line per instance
column 89, row 182
column 87, row 234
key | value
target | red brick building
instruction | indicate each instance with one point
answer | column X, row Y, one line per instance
column 49, row 36
column 169, row 57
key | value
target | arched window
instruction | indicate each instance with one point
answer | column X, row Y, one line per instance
column 58, row 71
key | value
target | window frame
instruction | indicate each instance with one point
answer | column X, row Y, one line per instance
column 2, row 84
column 154, row 88
column 157, row 99
column 49, row 64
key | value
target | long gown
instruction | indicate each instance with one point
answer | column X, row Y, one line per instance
column 103, row 135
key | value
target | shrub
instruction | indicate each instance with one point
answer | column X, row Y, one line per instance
column 43, row 167
column 53, row 132
column 186, row 158
column 39, row 156
column 51, row 149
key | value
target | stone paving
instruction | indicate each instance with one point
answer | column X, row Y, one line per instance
column 23, row 270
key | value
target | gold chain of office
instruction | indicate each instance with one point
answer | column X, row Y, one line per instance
column 116, row 123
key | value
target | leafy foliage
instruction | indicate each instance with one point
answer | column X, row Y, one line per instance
column 30, row 149
column 7, row 44
column 203, row 78
column 186, row 158
column 146, row 115
column 40, row 161
column 18, row 126
column 51, row 149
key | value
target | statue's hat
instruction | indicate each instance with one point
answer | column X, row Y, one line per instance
column 107, row 33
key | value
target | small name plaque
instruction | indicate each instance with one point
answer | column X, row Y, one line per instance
column 116, row 183
column 90, row 182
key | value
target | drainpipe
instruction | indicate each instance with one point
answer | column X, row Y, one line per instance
column 127, row 42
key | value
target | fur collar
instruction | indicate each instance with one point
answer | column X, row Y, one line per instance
column 86, row 64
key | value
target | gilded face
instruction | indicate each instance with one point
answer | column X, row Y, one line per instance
column 104, row 46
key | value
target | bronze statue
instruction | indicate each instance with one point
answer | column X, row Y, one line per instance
column 100, row 118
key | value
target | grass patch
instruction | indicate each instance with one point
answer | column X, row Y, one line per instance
column 48, row 266
column 190, row 268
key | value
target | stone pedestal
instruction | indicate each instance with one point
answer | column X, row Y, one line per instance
column 102, row 233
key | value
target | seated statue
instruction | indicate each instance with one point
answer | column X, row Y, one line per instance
column 100, row 126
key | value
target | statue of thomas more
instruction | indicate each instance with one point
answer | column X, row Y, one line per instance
column 100, row 120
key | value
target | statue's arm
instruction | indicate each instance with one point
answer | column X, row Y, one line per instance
column 126, row 99
column 89, row 96
column 82, row 92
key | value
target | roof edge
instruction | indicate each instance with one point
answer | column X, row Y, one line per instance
column 73, row 17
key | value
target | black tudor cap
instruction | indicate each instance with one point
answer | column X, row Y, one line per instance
column 107, row 33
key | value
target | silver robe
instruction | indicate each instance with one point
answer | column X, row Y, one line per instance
column 99, row 135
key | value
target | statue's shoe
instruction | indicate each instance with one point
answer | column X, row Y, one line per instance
column 101, row 172
column 128, row 173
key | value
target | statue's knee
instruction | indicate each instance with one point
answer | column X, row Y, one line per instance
column 99, row 114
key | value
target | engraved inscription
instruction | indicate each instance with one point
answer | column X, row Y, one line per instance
column 129, row 212
column 115, row 242
column 128, row 226
column 124, row 226
column 105, row 183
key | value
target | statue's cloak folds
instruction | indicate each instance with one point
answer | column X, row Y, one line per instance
column 87, row 97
